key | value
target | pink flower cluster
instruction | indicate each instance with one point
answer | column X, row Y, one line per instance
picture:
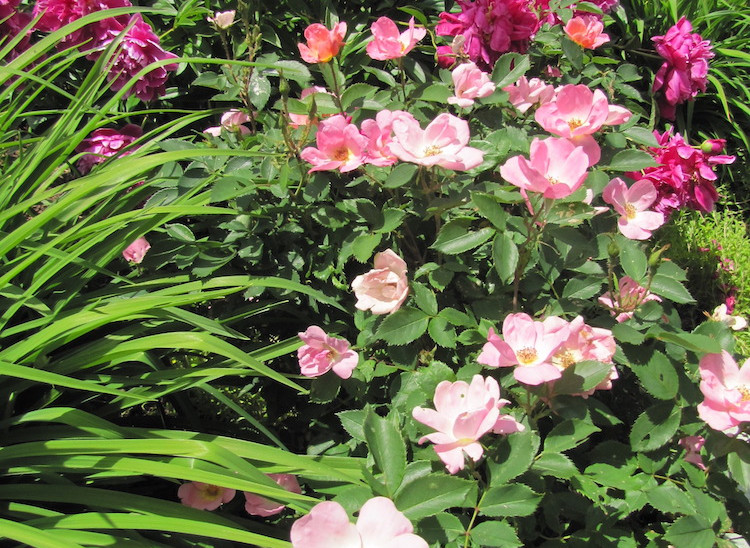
column 685, row 175
column 321, row 353
column 205, row 496
column 726, row 391
column 541, row 350
column 629, row 296
column 524, row 94
column 685, row 69
column 139, row 47
column 392, row 136
column 379, row 524
column 464, row 412
column 488, row 28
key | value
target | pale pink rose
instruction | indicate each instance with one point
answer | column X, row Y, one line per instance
column 255, row 505
column 721, row 314
column 636, row 221
column 297, row 120
column 443, row 143
column 322, row 44
column 556, row 168
column 222, row 19
column 470, row 83
column 340, row 146
column 379, row 524
column 322, row 353
column 379, row 133
column 527, row 344
column 524, row 94
column 625, row 301
column 464, row 413
column 693, row 446
column 136, row 251
column 384, row 289
column 204, row 496
column 231, row 121
column 577, row 111
column 387, row 43
column 587, row 31
column 726, row 391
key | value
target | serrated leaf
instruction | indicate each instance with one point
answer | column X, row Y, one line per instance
column 495, row 533
column 391, row 220
column 513, row 457
column 180, row 232
column 554, row 464
column 670, row 499
column 632, row 259
column 387, row 448
column 503, row 75
column 582, row 376
column 515, row 499
column 442, row 332
column 582, row 288
column 403, row 326
column 364, row 245
column 259, row 90
column 353, row 422
column 425, row 298
column 658, row 377
column 293, row 70
column 455, row 237
column 356, row 92
column 428, row 495
column 655, row 426
column 641, row 135
column 505, row 256
column 456, row 317
column 400, row 175
column 567, row 435
column 671, row 289
column 631, row 160
column 693, row 531
column 490, row 209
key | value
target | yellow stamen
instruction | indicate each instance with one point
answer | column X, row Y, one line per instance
column 526, row 356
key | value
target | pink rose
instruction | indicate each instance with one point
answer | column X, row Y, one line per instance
column 636, row 221
column 106, row 142
column 204, row 496
column 470, row 83
column 340, row 146
column 379, row 524
column 222, row 19
column 586, row 31
column 322, row 44
column 136, row 251
column 524, row 94
column 379, row 134
column 255, row 505
column 231, row 121
column 464, row 413
column 726, row 391
column 384, row 289
column 693, row 446
column 322, row 353
column 387, row 43
column 627, row 299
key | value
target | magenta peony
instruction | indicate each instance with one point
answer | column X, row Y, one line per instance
column 204, row 496
column 58, row 13
column 384, row 289
column 464, row 413
column 726, row 391
column 255, row 505
column 490, row 28
column 684, row 72
column 322, row 353
column 106, row 142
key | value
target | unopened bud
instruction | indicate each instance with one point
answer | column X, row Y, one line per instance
column 655, row 258
column 613, row 249
column 713, row 146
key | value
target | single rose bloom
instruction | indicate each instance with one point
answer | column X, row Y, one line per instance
column 379, row 134
column 379, row 525
column 222, row 19
column 470, row 83
column 636, row 221
column 106, row 142
column 204, row 496
column 721, row 314
column 524, row 94
column 384, row 289
column 627, row 299
column 464, row 413
column 388, row 43
column 586, row 31
column 322, row 44
column 136, row 251
column 231, row 121
column 255, row 505
column 340, row 146
column 726, row 391
column 321, row 353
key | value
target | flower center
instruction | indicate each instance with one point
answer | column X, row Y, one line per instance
column 575, row 123
column 554, row 181
column 744, row 392
column 526, row 356
column 564, row 359
column 342, row 154
column 210, row 492
column 432, row 150
column 630, row 211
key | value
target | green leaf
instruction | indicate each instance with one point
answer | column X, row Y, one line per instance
column 671, row 289
column 632, row 259
column 442, row 332
column 693, row 531
column 180, row 232
column 567, row 435
column 400, row 175
column 425, row 298
column 455, row 237
column 573, row 52
column 259, row 90
column 509, row 68
column 387, row 447
column 505, row 256
column 353, row 422
column 403, row 326
column 515, row 499
column 355, row 92
column 490, row 209
column 642, row 136
column 658, row 377
column 513, row 457
column 627, row 334
column 582, row 376
column 456, row 317
column 436, row 93
column 364, row 245
column 739, row 468
column 655, row 426
column 631, row 160
column 670, row 499
column 582, row 288
column 495, row 533
column 700, row 344
column 428, row 495
column 555, row 465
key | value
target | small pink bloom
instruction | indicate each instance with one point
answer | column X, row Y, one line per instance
column 231, row 121
column 527, row 344
column 255, row 505
column 625, row 301
column 693, row 446
column 322, row 353
column 464, row 413
column 586, row 31
column 222, row 19
column 632, row 204
column 524, row 94
column 442, row 143
column 204, row 496
column 726, row 391
column 387, row 43
column 106, row 142
column 297, row 120
column 136, row 251
column 721, row 314
column 379, row 133
column 379, row 524
column 384, row 289
column 470, row 83
column 322, row 44
column 556, row 168
column 340, row 146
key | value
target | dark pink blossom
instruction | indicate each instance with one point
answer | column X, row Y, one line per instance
column 58, row 13
column 13, row 24
column 684, row 72
column 490, row 28
column 106, row 142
